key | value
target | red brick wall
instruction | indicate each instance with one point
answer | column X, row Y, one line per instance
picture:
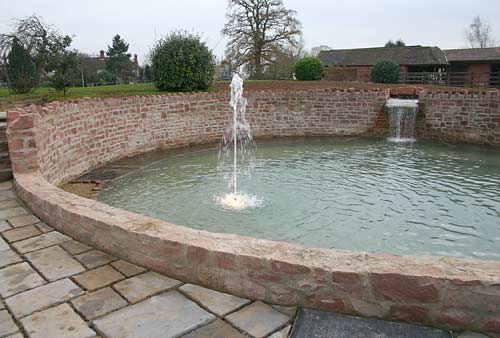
column 460, row 116
column 71, row 138
column 49, row 145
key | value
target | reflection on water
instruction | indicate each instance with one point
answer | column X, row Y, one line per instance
column 360, row 194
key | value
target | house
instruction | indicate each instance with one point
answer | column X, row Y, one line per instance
column 481, row 66
column 94, row 69
column 356, row 64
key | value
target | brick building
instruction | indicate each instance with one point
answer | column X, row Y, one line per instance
column 483, row 64
column 356, row 64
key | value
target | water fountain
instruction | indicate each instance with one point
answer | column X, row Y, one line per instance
column 240, row 136
column 402, row 115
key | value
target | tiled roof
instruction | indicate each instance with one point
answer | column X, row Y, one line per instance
column 473, row 54
column 408, row 56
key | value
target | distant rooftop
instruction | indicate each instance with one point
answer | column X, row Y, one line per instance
column 408, row 56
column 473, row 54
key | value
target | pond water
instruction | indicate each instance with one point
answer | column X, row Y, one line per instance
column 357, row 194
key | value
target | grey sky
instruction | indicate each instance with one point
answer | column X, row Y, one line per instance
column 337, row 23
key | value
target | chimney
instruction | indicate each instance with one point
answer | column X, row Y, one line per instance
column 101, row 55
column 136, row 61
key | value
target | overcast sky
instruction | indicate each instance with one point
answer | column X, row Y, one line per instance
column 336, row 23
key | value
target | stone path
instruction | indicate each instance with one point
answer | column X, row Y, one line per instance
column 52, row 286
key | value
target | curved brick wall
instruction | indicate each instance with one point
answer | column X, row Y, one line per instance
column 53, row 144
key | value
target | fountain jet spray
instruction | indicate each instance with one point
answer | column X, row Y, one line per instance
column 240, row 137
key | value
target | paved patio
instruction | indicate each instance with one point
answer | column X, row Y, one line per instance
column 54, row 287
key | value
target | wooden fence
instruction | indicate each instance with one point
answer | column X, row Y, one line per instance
column 454, row 79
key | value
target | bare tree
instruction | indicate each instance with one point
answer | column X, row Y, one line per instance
column 37, row 37
column 316, row 50
column 479, row 34
column 256, row 28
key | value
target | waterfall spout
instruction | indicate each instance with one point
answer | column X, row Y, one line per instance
column 402, row 116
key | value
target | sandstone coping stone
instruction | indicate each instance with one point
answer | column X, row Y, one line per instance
column 139, row 287
column 9, row 257
column 7, row 324
column 21, row 233
column 216, row 329
column 94, row 258
column 168, row 315
column 40, row 242
column 258, row 319
column 128, row 269
column 98, row 303
column 58, row 322
column 37, row 299
column 21, row 221
column 18, row 278
column 54, row 263
column 98, row 278
column 216, row 302
column 239, row 265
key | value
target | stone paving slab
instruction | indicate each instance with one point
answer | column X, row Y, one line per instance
column 139, row 287
column 314, row 323
column 3, row 245
column 258, row 319
column 54, row 263
column 6, row 185
column 128, row 269
column 98, row 303
column 44, row 228
column 21, row 233
column 7, row 204
column 58, row 322
column 21, row 221
column 4, row 226
column 7, row 195
column 17, row 335
column 95, row 258
column 216, row 329
column 287, row 310
column 75, row 247
column 26, row 303
column 98, row 278
column 40, row 242
column 167, row 315
column 216, row 302
column 281, row 333
column 7, row 324
column 8, row 257
column 18, row 278
column 12, row 212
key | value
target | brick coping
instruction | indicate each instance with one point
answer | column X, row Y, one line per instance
column 436, row 291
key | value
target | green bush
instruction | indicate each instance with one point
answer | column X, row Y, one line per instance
column 385, row 72
column 308, row 69
column 181, row 62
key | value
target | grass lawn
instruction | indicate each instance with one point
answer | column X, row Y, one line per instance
column 42, row 95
